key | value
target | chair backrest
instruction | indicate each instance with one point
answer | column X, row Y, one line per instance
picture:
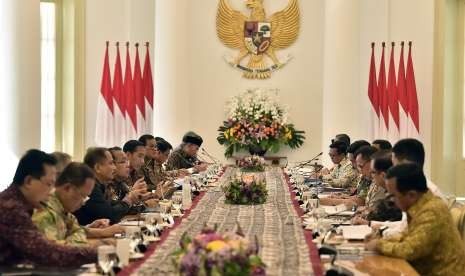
column 462, row 225
column 458, row 217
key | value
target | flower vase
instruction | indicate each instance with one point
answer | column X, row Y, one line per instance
column 257, row 150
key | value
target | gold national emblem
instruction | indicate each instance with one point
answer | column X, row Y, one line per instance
column 257, row 36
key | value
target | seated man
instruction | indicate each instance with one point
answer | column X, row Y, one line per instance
column 157, row 151
column 63, row 160
column 157, row 175
column 353, row 149
column 185, row 156
column 56, row 220
column 431, row 244
column 118, row 188
column 385, row 209
column 382, row 144
column 342, row 137
column 412, row 150
column 343, row 175
column 100, row 204
column 364, row 194
column 135, row 153
column 20, row 240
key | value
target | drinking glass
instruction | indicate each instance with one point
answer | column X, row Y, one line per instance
column 105, row 257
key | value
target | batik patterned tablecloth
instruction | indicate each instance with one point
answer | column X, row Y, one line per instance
column 277, row 226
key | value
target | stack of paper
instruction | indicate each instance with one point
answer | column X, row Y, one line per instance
column 355, row 232
column 332, row 210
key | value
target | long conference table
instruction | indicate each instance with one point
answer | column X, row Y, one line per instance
column 285, row 247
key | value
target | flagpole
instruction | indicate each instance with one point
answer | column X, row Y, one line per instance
column 374, row 117
column 383, row 126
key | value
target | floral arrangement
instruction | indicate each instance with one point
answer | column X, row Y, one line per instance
column 246, row 190
column 255, row 120
column 212, row 254
column 252, row 163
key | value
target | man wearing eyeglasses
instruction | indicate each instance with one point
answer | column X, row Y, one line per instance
column 343, row 175
column 363, row 194
column 20, row 240
column 157, row 178
column 56, row 220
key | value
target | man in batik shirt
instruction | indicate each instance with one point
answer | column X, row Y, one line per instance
column 342, row 175
column 135, row 153
column 431, row 243
column 185, row 156
column 119, row 189
column 383, row 207
column 359, row 196
column 56, row 220
column 20, row 240
column 157, row 151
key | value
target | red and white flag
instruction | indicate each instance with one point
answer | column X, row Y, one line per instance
column 104, row 127
column 383, row 99
column 148, row 92
column 402, row 95
column 413, row 109
column 139, row 94
column 393, row 101
column 120, row 101
column 373, row 96
column 131, row 117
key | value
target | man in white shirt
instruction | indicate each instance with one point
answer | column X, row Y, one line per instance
column 412, row 150
column 404, row 151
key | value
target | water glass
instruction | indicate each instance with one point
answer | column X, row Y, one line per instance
column 106, row 259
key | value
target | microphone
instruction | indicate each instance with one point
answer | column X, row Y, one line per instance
column 309, row 161
column 335, row 270
column 205, row 158
column 214, row 159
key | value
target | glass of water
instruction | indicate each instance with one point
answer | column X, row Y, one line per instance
column 106, row 259
column 319, row 213
column 177, row 201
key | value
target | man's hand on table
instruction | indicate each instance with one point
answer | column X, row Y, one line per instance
column 164, row 188
column 182, row 173
column 200, row 167
column 358, row 220
column 107, row 232
column 139, row 184
column 112, row 230
column 372, row 244
column 324, row 171
column 99, row 223
column 151, row 203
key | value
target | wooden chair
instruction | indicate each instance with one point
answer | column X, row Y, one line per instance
column 458, row 217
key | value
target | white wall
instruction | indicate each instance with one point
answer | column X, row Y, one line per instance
column 19, row 82
column 172, row 75
column 391, row 20
column 350, row 27
column 325, row 84
column 341, row 93
column 113, row 20
column 191, row 67
column 192, row 81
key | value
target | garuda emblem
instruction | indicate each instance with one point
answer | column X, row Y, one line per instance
column 257, row 36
